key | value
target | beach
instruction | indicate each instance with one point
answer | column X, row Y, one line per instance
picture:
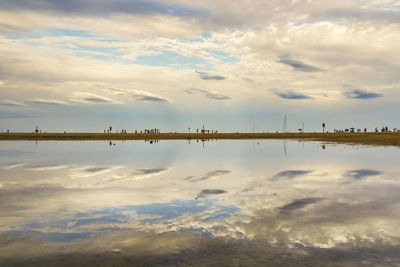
column 384, row 139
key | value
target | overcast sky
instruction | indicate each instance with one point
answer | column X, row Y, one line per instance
column 80, row 65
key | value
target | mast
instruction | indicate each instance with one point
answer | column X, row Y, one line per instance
column 284, row 125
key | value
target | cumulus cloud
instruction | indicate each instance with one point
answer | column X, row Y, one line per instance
column 290, row 174
column 361, row 94
column 315, row 45
column 210, row 192
column 299, row 204
column 362, row 173
column 299, row 65
column 210, row 175
column 290, row 94
column 209, row 94
column 207, row 76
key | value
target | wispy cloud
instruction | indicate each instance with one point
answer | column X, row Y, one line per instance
column 210, row 175
column 138, row 174
column 46, row 101
column 361, row 94
column 88, row 171
column 12, row 115
column 206, row 76
column 299, row 65
column 90, row 98
column 13, row 166
column 139, row 95
column 209, row 94
column 290, row 94
column 47, row 167
column 210, row 192
column 102, row 7
column 12, row 103
column 362, row 173
column 299, row 204
column 290, row 174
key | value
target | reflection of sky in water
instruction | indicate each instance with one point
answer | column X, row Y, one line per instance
column 72, row 194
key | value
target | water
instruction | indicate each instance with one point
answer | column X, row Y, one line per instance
column 226, row 202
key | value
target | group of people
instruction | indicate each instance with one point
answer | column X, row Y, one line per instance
column 124, row 131
column 152, row 131
column 386, row 129
column 352, row 130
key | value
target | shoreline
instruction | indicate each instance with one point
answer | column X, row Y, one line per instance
column 381, row 139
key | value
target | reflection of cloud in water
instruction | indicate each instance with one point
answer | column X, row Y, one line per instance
column 11, row 166
column 210, row 175
column 299, row 204
column 290, row 174
column 137, row 174
column 300, row 216
column 362, row 173
column 87, row 171
column 140, row 217
column 185, row 249
column 47, row 167
column 96, row 169
column 210, row 192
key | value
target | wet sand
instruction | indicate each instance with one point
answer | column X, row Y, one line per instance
column 385, row 139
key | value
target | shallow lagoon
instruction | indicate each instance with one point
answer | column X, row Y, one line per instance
column 225, row 202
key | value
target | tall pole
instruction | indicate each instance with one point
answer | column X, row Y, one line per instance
column 284, row 125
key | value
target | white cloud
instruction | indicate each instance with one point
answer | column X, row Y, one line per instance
column 89, row 98
column 46, row 101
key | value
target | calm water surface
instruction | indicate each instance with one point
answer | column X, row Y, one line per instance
column 226, row 202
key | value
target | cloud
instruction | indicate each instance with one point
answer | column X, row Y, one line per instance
column 299, row 204
column 12, row 103
column 298, row 65
column 206, row 76
column 101, row 8
column 50, row 167
column 90, row 98
column 290, row 174
column 210, row 175
column 362, row 173
column 360, row 94
column 290, row 95
column 88, row 171
column 209, row 192
column 96, row 169
column 12, row 115
column 209, row 94
column 13, row 166
column 46, row 101
column 138, row 174
column 139, row 95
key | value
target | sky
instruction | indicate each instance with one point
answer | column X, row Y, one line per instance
column 80, row 65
